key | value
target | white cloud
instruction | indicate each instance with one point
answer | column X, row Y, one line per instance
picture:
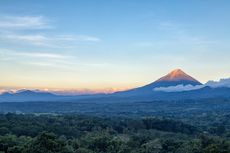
column 34, row 30
column 220, row 83
column 35, row 39
column 7, row 89
column 2, row 91
column 54, row 41
column 23, row 22
column 87, row 38
column 78, row 38
column 48, row 59
column 51, row 64
column 43, row 55
column 178, row 88
column 40, row 55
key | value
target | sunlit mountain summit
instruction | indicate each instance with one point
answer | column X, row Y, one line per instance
column 176, row 77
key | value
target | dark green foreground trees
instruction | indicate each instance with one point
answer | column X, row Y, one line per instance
column 85, row 134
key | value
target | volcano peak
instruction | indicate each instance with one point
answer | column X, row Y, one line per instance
column 174, row 78
column 176, row 75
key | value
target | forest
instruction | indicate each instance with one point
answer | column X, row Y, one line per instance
column 74, row 133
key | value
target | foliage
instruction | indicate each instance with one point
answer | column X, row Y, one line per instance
column 71, row 133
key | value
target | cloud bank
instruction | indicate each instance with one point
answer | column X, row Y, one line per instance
column 220, row 83
column 212, row 84
column 178, row 88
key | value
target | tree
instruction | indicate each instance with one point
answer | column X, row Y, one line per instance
column 48, row 143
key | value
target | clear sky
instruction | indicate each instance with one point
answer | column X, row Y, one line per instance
column 111, row 44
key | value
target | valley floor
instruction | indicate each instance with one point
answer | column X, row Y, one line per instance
column 141, row 127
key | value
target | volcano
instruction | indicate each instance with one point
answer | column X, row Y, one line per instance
column 174, row 78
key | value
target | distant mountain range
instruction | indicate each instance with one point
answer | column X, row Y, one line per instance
column 27, row 95
column 177, row 85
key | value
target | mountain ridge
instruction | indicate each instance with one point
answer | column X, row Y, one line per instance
column 146, row 92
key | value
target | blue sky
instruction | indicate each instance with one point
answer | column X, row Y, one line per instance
column 111, row 44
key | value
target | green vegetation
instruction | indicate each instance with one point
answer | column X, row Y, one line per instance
column 70, row 133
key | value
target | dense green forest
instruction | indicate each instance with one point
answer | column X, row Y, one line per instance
column 71, row 133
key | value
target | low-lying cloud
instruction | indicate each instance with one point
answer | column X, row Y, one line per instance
column 220, row 83
column 181, row 87
column 178, row 88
